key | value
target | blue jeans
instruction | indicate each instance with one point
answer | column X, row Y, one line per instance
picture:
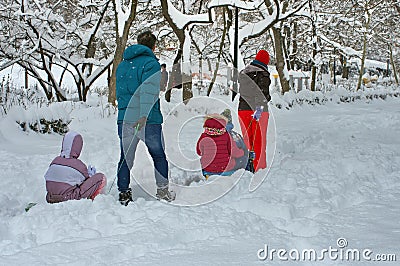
column 129, row 139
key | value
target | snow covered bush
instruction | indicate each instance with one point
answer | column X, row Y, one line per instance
column 11, row 95
column 98, row 98
column 28, row 108
column 340, row 94
column 45, row 120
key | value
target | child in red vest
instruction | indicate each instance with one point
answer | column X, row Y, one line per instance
column 215, row 146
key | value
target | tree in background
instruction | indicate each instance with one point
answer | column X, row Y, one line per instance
column 124, row 16
column 84, row 40
column 56, row 38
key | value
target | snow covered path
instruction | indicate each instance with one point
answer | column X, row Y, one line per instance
column 335, row 175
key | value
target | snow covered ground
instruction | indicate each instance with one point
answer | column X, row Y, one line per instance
column 334, row 184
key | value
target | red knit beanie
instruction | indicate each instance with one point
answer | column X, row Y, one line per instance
column 263, row 57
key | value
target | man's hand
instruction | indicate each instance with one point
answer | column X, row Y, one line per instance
column 140, row 123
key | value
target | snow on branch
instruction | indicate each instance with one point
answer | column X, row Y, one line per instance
column 235, row 3
column 299, row 10
column 182, row 20
column 104, row 64
column 123, row 14
column 12, row 62
column 277, row 14
column 9, row 63
column 346, row 50
column 255, row 28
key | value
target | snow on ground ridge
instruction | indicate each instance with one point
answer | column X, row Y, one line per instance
column 329, row 159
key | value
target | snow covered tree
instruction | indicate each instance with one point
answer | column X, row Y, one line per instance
column 357, row 29
column 387, row 34
column 51, row 39
column 124, row 15
column 281, row 11
column 180, row 22
column 83, row 40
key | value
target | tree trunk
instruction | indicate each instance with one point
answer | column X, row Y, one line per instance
column 221, row 46
column 120, row 48
column 279, row 53
column 91, row 51
column 175, row 79
column 26, row 79
column 345, row 73
column 313, row 77
column 35, row 75
column 294, row 59
column 314, row 47
column 364, row 53
column 52, row 84
column 280, row 60
column 187, row 93
column 393, row 65
column 200, row 52
column 286, row 43
column 112, row 97
column 180, row 33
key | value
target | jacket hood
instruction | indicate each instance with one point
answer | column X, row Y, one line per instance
column 72, row 145
column 137, row 50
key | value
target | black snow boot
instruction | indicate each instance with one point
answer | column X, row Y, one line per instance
column 125, row 197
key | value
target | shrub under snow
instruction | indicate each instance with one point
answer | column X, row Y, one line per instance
column 43, row 120
column 338, row 95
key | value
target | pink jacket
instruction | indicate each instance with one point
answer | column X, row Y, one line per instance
column 67, row 168
column 67, row 177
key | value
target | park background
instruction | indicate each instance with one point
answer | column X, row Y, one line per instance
column 334, row 166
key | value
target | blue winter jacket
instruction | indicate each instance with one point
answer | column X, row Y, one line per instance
column 138, row 86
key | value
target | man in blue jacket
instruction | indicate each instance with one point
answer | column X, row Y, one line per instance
column 139, row 116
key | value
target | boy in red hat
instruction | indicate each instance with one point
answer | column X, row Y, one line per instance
column 254, row 82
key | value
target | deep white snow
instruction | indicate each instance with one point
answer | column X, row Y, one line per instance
column 335, row 175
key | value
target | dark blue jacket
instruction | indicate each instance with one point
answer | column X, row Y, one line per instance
column 138, row 86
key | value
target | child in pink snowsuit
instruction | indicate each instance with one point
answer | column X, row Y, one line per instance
column 68, row 178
